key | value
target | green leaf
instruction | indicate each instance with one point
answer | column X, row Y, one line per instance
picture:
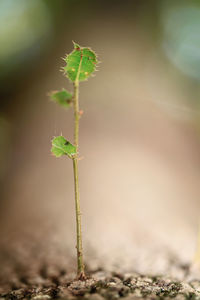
column 63, row 98
column 60, row 146
column 81, row 63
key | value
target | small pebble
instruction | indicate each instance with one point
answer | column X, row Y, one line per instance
column 41, row 297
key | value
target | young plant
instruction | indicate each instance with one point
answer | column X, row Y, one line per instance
column 81, row 63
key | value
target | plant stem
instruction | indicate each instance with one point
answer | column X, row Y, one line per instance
column 197, row 254
column 80, row 264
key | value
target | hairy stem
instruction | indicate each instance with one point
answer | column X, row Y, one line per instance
column 80, row 264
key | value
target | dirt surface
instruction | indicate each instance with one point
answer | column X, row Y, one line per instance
column 56, row 283
column 36, row 268
column 102, row 286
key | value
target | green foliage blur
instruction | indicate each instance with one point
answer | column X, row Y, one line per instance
column 27, row 30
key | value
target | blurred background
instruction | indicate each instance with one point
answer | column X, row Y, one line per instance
column 139, row 136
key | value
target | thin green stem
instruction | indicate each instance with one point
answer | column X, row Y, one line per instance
column 80, row 264
column 197, row 254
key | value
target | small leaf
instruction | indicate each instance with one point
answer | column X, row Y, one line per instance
column 60, row 146
column 81, row 63
column 63, row 98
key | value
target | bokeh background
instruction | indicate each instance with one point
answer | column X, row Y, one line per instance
column 139, row 136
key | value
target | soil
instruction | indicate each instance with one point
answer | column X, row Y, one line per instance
column 34, row 267
column 100, row 285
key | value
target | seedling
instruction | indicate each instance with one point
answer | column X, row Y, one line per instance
column 81, row 63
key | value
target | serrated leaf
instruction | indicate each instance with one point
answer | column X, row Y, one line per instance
column 63, row 98
column 81, row 63
column 60, row 146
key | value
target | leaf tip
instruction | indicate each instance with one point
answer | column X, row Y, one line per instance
column 76, row 46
